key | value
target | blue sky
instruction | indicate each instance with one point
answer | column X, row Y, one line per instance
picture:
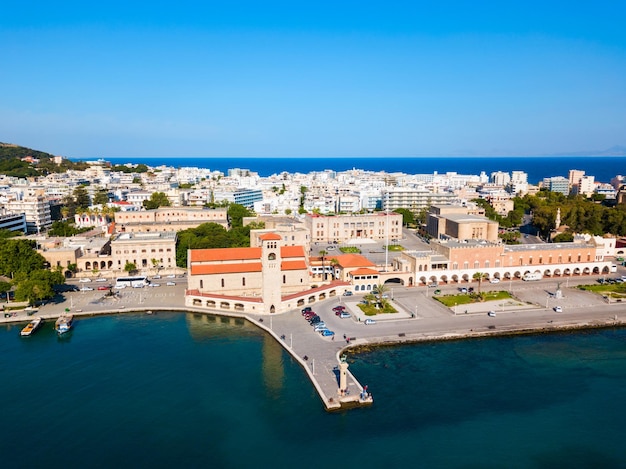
column 302, row 79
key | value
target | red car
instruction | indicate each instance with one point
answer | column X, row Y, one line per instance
column 104, row 287
column 339, row 308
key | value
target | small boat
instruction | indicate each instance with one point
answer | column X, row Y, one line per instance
column 64, row 323
column 31, row 327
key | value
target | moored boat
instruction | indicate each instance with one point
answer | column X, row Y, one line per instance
column 63, row 323
column 31, row 327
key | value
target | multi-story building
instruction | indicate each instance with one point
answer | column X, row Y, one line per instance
column 145, row 250
column 574, row 178
column 500, row 178
column 379, row 226
column 247, row 197
column 586, row 186
column 453, row 261
column 36, row 210
column 168, row 219
column 413, row 199
column 557, row 184
column 455, row 221
column 12, row 221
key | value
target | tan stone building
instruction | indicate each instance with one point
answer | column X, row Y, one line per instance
column 141, row 248
column 239, row 271
column 168, row 219
column 268, row 278
column 455, row 221
column 453, row 261
column 377, row 226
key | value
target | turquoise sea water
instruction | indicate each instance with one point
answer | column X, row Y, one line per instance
column 188, row 390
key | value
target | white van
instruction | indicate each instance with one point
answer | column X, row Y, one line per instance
column 613, row 268
column 533, row 276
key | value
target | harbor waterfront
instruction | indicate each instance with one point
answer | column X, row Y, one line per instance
column 195, row 389
column 420, row 318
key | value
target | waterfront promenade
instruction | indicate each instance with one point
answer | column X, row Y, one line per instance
column 420, row 318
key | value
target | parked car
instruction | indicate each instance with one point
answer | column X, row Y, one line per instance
column 306, row 309
column 491, row 314
column 339, row 308
column 369, row 322
column 433, row 285
column 104, row 287
column 470, row 290
column 494, row 280
column 156, row 277
column 463, row 290
column 86, row 289
column 327, row 333
column 85, row 280
column 170, row 284
column 437, row 291
column 171, row 276
column 154, row 285
column 347, row 293
column 319, row 327
column 558, row 309
column 344, row 315
column 101, row 280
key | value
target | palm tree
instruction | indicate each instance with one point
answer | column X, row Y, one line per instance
column 381, row 289
column 323, row 254
column 479, row 276
column 334, row 263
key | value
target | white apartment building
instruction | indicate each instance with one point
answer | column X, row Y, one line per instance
column 413, row 199
column 36, row 210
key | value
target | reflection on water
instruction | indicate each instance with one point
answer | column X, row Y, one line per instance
column 273, row 369
column 204, row 327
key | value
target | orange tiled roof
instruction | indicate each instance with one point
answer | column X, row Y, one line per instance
column 232, row 254
column 293, row 265
column 204, row 269
column 224, row 254
column 353, row 260
column 292, row 251
column 364, row 271
column 270, row 237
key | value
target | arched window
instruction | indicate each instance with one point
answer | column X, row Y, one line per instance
column 271, row 256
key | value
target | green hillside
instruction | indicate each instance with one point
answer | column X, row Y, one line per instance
column 11, row 164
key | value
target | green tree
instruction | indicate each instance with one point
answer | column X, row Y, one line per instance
column 19, row 256
column 156, row 200
column 407, row 216
column 130, row 267
column 479, row 276
column 101, row 197
column 4, row 287
column 236, row 214
column 81, row 198
column 65, row 228
column 563, row 237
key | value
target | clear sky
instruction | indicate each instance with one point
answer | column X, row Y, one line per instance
column 324, row 78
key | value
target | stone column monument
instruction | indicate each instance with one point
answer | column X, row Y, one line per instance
column 343, row 375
